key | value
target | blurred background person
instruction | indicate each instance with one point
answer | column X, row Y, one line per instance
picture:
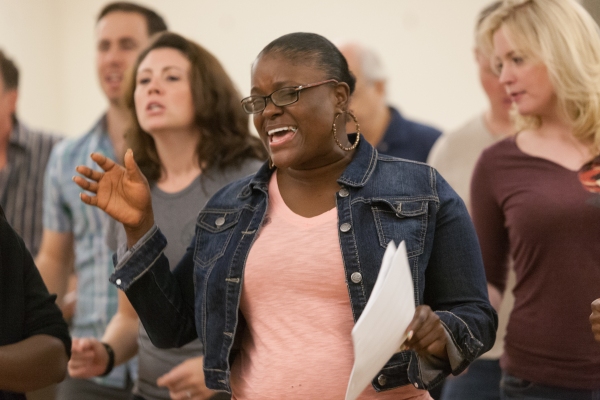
column 190, row 137
column 24, row 154
column 75, row 235
column 381, row 124
column 528, row 204
column 34, row 338
column 454, row 155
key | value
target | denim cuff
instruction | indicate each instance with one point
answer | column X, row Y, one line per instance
column 432, row 368
column 131, row 264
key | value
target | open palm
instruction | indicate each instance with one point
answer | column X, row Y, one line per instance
column 122, row 192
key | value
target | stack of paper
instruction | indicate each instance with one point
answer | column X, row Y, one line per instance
column 380, row 330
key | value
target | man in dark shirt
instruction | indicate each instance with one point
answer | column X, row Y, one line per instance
column 381, row 124
column 34, row 339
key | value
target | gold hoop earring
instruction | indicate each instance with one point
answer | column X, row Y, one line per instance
column 271, row 164
column 334, row 131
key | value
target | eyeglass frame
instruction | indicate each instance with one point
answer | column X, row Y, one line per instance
column 297, row 90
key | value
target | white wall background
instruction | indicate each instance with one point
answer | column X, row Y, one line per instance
column 426, row 46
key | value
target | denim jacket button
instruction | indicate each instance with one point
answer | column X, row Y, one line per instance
column 345, row 227
column 118, row 282
column 343, row 192
column 356, row 277
column 219, row 221
column 382, row 380
column 416, row 385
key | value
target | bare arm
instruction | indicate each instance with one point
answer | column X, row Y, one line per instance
column 495, row 296
column 32, row 363
column 55, row 262
column 88, row 355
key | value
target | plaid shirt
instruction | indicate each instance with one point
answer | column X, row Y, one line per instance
column 22, row 182
column 65, row 212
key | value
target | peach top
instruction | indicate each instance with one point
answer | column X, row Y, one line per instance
column 297, row 344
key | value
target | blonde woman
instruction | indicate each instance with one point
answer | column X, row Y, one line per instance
column 528, row 204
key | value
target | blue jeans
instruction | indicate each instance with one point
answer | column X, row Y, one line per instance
column 480, row 382
column 513, row 388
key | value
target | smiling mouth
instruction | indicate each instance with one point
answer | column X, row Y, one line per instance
column 278, row 135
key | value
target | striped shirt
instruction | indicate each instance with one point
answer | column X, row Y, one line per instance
column 22, row 182
column 65, row 212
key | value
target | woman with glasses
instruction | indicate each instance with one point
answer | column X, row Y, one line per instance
column 190, row 138
column 284, row 261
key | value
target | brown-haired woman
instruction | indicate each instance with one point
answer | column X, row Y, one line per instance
column 190, row 138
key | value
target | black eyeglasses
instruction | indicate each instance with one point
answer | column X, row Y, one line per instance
column 281, row 97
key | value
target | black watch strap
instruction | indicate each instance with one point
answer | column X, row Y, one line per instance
column 111, row 359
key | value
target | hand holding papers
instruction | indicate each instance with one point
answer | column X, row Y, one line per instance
column 379, row 332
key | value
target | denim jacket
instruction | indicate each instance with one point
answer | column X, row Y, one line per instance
column 381, row 198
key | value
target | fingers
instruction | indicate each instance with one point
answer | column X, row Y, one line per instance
column 84, row 362
column 90, row 186
column 89, row 173
column 186, row 381
column 103, row 162
column 87, row 199
column 429, row 336
column 596, row 305
column 133, row 171
column 595, row 319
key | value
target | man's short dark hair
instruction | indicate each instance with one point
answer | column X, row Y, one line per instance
column 8, row 72
column 154, row 21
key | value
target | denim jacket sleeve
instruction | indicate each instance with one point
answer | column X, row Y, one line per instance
column 162, row 299
column 456, row 287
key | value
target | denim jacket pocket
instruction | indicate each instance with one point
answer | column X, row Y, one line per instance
column 214, row 229
column 398, row 220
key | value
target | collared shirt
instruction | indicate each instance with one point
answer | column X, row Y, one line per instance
column 22, row 182
column 65, row 212
column 407, row 139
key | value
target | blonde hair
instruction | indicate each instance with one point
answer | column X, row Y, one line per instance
column 565, row 38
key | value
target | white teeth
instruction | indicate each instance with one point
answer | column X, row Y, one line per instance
column 154, row 107
column 282, row 129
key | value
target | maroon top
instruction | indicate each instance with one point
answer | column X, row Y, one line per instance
column 537, row 212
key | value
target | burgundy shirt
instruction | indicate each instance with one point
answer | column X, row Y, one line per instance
column 536, row 212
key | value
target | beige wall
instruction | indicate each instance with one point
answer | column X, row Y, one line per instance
column 425, row 44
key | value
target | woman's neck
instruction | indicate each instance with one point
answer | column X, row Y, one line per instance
column 554, row 140
column 177, row 153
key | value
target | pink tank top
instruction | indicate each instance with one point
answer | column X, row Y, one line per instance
column 297, row 344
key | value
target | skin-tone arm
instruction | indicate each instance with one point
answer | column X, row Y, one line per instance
column 32, row 364
column 595, row 319
column 55, row 262
column 495, row 297
column 88, row 355
column 121, row 192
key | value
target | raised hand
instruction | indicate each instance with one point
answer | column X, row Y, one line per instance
column 88, row 358
column 426, row 335
column 186, row 381
column 122, row 192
